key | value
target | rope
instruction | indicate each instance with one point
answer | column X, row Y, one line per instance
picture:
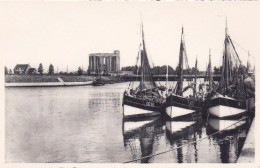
column 242, row 48
column 184, row 144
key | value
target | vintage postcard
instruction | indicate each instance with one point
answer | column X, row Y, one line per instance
column 128, row 83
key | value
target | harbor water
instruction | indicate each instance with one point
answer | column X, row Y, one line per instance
column 85, row 124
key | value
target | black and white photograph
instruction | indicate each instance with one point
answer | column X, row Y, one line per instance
column 129, row 82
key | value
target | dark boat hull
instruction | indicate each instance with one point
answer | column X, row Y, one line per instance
column 98, row 84
column 136, row 107
column 225, row 107
column 179, row 107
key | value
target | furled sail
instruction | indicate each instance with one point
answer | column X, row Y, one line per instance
column 230, row 65
column 182, row 56
column 146, row 82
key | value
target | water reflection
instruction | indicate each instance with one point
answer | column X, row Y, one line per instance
column 181, row 135
column 142, row 139
column 140, row 136
column 231, row 140
column 84, row 124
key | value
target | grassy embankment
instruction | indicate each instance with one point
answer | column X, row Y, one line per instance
column 54, row 78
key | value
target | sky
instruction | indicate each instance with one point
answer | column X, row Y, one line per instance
column 65, row 33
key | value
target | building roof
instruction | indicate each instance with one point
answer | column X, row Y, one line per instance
column 103, row 54
column 114, row 54
column 23, row 66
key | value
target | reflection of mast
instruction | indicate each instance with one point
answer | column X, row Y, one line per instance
column 224, row 148
column 179, row 153
column 167, row 80
column 146, row 143
column 195, row 149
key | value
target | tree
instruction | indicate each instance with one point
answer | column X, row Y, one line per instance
column 40, row 69
column 217, row 71
column 10, row 71
column 194, row 71
column 88, row 71
column 80, row 72
column 6, row 71
column 242, row 69
column 51, row 70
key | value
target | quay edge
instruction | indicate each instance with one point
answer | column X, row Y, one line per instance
column 247, row 154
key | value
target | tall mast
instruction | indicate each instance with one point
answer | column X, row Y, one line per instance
column 195, row 80
column 210, row 73
column 142, row 53
column 226, row 62
column 248, row 64
column 147, row 81
column 180, row 69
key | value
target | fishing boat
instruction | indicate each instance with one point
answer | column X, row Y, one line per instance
column 98, row 81
column 145, row 99
column 226, row 101
column 177, row 105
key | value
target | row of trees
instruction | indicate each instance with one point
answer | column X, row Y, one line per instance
column 162, row 70
column 8, row 71
column 50, row 71
column 241, row 70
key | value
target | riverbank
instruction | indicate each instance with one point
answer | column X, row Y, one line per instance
column 47, row 84
column 247, row 154
column 54, row 78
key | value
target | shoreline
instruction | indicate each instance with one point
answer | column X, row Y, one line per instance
column 48, row 84
column 54, row 80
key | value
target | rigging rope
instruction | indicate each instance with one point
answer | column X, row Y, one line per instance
column 193, row 142
column 242, row 48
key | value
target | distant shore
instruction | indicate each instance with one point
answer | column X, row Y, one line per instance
column 54, row 78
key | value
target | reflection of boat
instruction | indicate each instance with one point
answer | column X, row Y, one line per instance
column 178, row 126
column 181, row 130
column 229, row 141
column 145, row 99
column 140, row 140
column 226, row 101
column 130, row 125
column 176, row 104
column 180, row 134
column 218, row 124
